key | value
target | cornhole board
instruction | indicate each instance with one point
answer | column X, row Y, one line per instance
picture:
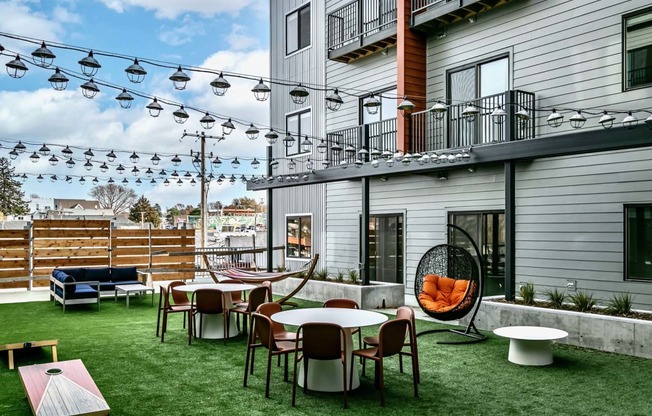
column 25, row 345
column 62, row 388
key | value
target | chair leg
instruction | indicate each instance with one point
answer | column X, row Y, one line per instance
column 346, row 387
column 269, row 370
column 285, row 373
column 400, row 362
column 164, row 325
column 381, row 381
column 158, row 321
column 247, row 358
column 415, row 372
column 225, row 326
column 305, row 375
column 192, row 329
column 294, row 378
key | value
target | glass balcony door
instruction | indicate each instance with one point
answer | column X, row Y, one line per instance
column 386, row 248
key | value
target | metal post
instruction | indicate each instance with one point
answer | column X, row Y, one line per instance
column 364, row 219
column 270, row 218
column 204, row 193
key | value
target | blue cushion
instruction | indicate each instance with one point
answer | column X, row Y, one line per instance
column 63, row 277
column 76, row 272
column 122, row 274
column 84, row 291
column 101, row 274
column 106, row 286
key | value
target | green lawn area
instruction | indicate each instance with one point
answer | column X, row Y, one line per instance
column 139, row 375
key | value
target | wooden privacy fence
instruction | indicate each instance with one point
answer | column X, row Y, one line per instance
column 28, row 256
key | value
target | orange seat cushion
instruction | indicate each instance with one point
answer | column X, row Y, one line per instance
column 441, row 294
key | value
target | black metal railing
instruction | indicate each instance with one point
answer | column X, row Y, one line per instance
column 380, row 135
column 452, row 130
column 359, row 19
column 421, row 5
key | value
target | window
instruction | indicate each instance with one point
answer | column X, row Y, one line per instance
column 638, row 49
column 488, row 231
column 388, row 104
column 386, row 248
column 638, row 242
column 300, row 126
column 297, row 29
column 487, row 80
column 299, row 236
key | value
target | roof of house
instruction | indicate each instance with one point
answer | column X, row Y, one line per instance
column 76, row 204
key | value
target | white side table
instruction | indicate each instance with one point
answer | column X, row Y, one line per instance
column 530, row 345
column 133, row 288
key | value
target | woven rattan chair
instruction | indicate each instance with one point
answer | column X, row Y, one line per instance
column 391, row 340
column 448, row 286
column 319, row 341
column 261, row 330
column 166, row 307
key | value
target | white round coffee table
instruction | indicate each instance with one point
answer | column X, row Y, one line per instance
column 530, row 345
column 326, row 375
column 213, row 325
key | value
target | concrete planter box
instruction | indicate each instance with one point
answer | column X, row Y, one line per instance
column 377, row 295
column 605, row 333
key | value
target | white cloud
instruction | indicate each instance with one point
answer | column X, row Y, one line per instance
column 18, row 18
column 183, row 33
column 170, row 9
column 238, row 40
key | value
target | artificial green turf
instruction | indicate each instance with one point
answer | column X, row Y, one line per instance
column 139, row 375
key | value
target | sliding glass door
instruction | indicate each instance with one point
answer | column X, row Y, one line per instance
column 386, row 248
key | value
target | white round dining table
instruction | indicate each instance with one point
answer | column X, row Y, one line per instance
column 213, row 325
column 326, row 375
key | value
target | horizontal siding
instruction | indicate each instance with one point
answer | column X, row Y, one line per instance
column 569, row 223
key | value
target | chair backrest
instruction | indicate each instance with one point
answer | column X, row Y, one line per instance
column 322, row 341
column 235, row 296
column 391, row 336
column 341, row 303
column 257, row 297
column 164, row 300
column 268, row 309
column 208, row 301
column 262, row 326
column 178, row 297
column 405, row 312
column 268, row 285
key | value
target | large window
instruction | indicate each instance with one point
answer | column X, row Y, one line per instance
column 488, row 231
column 299, row 125
column 488, row 80
column 638, row 242
column 299, row 236
column 386, row 248
column 638, row 49
column 297, row 29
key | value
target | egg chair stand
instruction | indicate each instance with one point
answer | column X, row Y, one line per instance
column 448, row 285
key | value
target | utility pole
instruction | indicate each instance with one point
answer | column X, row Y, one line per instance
column 142, row 219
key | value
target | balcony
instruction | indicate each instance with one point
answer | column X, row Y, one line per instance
column 380, row 135
column 361, row 28
column 429, row 14
column 429, row 133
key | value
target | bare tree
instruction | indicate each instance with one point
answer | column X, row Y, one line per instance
column 116, row 197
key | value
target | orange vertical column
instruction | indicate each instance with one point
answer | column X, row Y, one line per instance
column 411, row 71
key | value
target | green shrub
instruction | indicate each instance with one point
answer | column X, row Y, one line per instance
column 583, row 301
column 340, row 276
column 556, row 298
column 321, row 275
column 527, row 293
column 620, row 304
column 353, row 276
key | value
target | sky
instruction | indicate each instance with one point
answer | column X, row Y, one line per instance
column 220, row 35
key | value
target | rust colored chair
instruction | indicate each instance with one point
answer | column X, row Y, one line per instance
column 280, row 333
column 261, row 329
column 391, row 340
column 236, row 297
column 346, row 304
column 257, row 297
column 268, row 285
column 166, row 307
column 319, row 341
column 207, row 302
column 404, row 312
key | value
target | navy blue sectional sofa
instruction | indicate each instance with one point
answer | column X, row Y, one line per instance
column 78, row 285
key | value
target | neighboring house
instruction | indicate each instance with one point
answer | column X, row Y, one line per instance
column 548, row 203
column 39, row 207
